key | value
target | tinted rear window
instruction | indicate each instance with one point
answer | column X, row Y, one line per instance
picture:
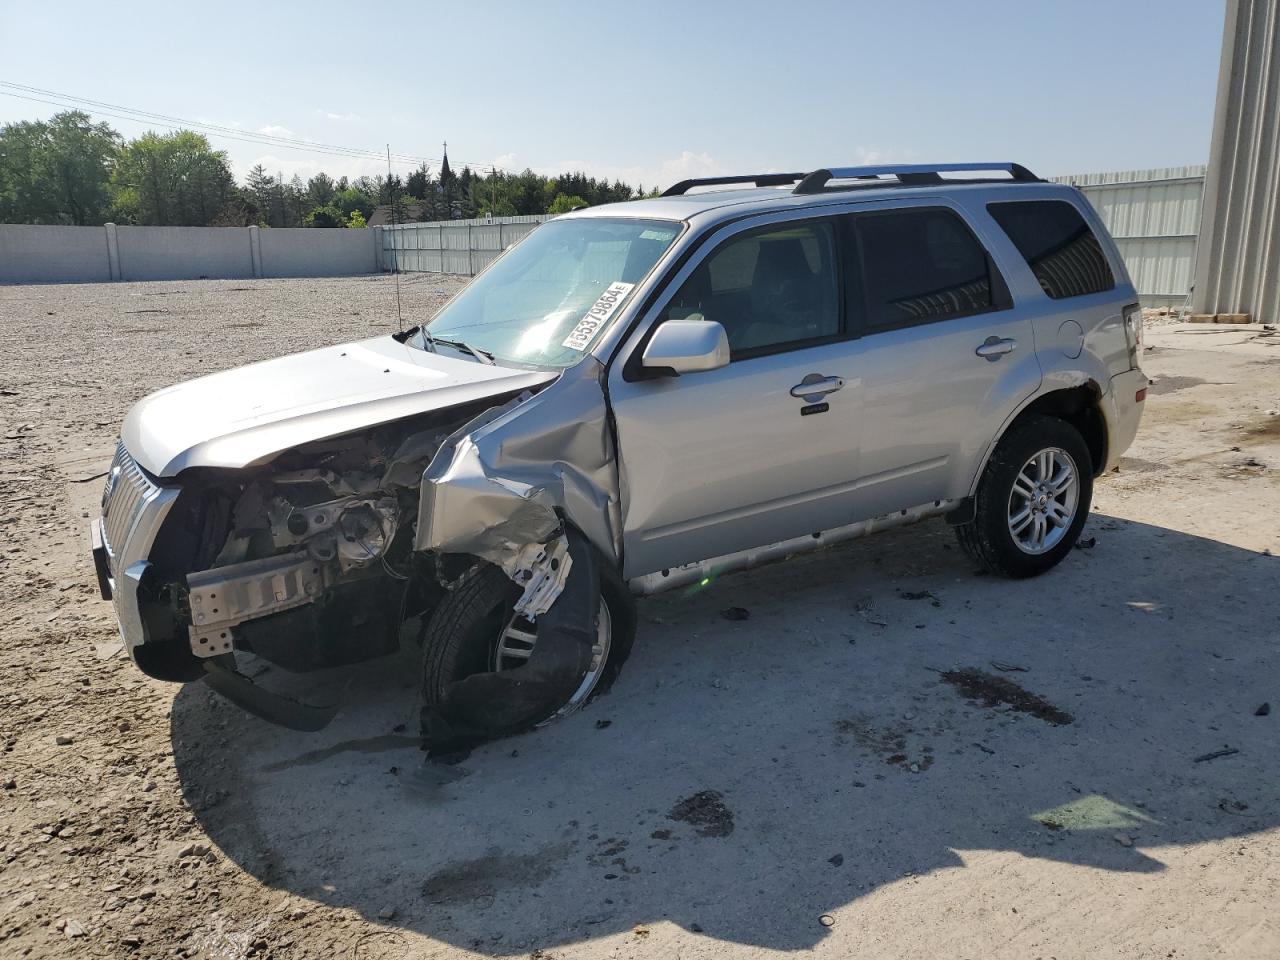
column 921, row 266
column 1057, row 244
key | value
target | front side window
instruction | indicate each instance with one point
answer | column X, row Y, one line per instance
column 768, row 288
column 921, row 266
column 1057, row 244
column 547, row 300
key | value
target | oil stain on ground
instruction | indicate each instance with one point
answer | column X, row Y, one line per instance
column 469, row 880
column 992, row 691
column 706, row 812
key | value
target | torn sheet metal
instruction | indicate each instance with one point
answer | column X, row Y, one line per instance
column 510, row 477
column 488, row 705
column 542, row 568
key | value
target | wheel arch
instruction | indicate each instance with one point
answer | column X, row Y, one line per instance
column 1079, row 404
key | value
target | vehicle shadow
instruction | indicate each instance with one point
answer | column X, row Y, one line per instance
column 842, row 759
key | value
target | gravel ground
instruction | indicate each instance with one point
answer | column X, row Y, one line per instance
column 823, row 775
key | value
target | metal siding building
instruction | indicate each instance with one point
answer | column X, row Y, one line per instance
column 1239, row 266
column 1154, row 217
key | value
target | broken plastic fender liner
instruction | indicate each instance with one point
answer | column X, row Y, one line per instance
column 484, row 706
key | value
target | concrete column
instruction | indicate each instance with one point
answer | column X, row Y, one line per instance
column 113, row 252
column 255, row 249
column 376, row 233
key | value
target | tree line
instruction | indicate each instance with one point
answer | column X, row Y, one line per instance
column 70, row 170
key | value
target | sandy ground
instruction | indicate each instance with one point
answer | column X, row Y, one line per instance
column 865, row 808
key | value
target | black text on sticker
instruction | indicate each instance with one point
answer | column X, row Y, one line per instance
column 597, row 316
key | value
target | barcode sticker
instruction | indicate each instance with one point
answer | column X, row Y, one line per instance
column 595, row 318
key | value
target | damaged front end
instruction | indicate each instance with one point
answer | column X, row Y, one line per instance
column 316, row 558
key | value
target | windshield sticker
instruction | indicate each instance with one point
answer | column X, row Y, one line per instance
column 597, row 316
column 657, row 235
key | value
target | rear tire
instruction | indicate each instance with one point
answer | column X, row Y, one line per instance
column 1033, row 499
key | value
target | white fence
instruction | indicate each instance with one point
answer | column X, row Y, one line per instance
column 1154, row 216
column 58, row 254
column 451, row 246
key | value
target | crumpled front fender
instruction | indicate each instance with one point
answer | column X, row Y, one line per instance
column 514, row 475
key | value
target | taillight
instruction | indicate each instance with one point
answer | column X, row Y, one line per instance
column 1133, row 333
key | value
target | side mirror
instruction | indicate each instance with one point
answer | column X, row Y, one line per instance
column 687, row 346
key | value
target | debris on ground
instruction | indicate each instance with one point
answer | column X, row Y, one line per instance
column 603, row 724
column 1263, row 710
column 827, row 920
column 1123, row 839
column 1214, row 755
column 1086, row 543
column 866, row 609
column 706, row 812
column 736, row 613
column 1007, row 667
column 837, row 860
column 993, row 691
column 921, row 595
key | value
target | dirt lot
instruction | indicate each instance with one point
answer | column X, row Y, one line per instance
column 829, row 774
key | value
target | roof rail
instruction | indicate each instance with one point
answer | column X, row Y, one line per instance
column 908, row 173
column 759, row 179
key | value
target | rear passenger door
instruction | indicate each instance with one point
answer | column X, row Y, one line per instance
column 943, row 359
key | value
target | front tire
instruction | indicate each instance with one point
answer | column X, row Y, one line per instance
column 1033, row 499
column 474, row 630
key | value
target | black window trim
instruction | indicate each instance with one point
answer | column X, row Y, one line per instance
column 1001, row 298
column 1084, row 218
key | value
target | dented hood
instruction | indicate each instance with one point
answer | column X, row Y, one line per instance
column 243, row 416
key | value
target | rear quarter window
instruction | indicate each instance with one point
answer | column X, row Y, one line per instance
column 1061, row 250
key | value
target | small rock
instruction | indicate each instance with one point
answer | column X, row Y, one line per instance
column 74, row 928
column 1123, row 839
column 695, row 927
column 386, row 913
column 914, row 768
column 193, row 849
column 11, row 784
column 1262, row 711
column 736, row 613
column 603, row 724
column 63, row 740
column 836, row 860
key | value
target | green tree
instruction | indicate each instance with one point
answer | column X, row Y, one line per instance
column 327, row 216
column 356, row 221
column 173, row 179
column 56, row 171
column 320, row 189
column 564, row 203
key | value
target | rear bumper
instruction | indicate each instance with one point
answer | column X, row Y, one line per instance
column 1123, row 410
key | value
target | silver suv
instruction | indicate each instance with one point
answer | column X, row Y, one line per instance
column 637, row 396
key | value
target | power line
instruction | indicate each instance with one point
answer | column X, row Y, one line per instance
column 135, row 115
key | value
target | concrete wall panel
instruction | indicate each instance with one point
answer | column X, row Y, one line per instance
column 52, row 254
column 184, row 253
column 302, row 252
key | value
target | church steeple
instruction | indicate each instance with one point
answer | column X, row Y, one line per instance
column 445, row 172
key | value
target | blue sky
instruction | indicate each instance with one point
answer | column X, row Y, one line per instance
column 650, row 92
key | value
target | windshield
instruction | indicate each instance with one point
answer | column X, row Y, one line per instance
column 545, row 302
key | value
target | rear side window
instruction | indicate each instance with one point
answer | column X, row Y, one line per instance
column 1057, row 244
column 922, row 266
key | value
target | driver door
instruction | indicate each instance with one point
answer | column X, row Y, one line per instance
column 755, row 452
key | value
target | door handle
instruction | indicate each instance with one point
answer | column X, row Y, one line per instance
column 815, row 386
column 993, row 348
